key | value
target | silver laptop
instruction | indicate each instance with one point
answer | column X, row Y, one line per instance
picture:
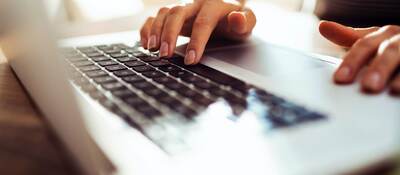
column 248, row 108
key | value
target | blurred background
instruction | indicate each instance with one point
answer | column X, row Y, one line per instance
column 94, row 16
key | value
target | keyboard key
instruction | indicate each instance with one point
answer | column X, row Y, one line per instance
column 159, row 63
column 192, row 79
column 108, row 104
column 176, row 86
column 170, row 68
column 143, row 68
column 189, row 93
column 148, row 111
column 94, row 54
column 106, row 79
column 89, row 68
column 202, row 100
column 164, row 80
column 169, row 101
column 102, row 58
column 143, row 85
column 89, row 87
column 134, row 101
column 124, row 73
column 119, row 55
column 83, row 63
column 204, row 85
column 123, row 93
column 216, row 91
column 96, row 73
column 180, row 73
column 81, row 80
column 184, row 110
column 115, row 67
column 133, row 79
column 153, row 74
column 113, row 86
column 156, row 93
column 107, row 63
column 126, row 59
column 97, row 95
column 120, row 45
column 112, row 51
column 149, row 58
column 134, row 63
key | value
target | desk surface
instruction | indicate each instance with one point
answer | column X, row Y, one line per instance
column 26, row 145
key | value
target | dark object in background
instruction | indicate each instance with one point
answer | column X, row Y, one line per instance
column 359, row 13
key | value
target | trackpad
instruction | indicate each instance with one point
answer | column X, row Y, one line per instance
column 263, row 58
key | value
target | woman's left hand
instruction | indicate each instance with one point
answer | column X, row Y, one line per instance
column 377, row 49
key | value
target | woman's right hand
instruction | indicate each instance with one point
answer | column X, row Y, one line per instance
column 199, row 20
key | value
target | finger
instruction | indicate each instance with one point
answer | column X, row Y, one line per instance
column 395, row 86
column 361, row 52
column 383, row 67
column 173, row 25
column 204, row 24
column 240, row 24
column 156, row 29
column 145, row 32
column 343, row 35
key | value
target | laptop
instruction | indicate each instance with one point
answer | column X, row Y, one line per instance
column 247, row 108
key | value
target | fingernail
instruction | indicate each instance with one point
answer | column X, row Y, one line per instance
column 163, row 49
column 373, row 80
column 342, row 74
column 190, row 57
column 152, row 42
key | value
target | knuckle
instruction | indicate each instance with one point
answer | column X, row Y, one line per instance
column 364, row 43
column 163, row 10
column 393, row 29
column 176, row 10
column 202, row 21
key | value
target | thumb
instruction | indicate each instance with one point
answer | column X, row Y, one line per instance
column 238, row 25
column 343, row 35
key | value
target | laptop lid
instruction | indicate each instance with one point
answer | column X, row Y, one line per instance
column 28, row 43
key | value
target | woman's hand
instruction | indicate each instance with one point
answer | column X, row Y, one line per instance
column 377, row 49
column 199, row 20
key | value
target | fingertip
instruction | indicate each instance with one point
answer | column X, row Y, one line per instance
column 237, row 22
column 343, row 75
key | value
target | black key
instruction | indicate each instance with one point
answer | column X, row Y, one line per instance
column 180, row 73
column 134, row 63
column 216, row 91
column 94, row 54
column 101, row 47
column 202, row 100
column 153, row 74
column 113, row 86
column 184, row 110
column 119, row 55
column 164, row 80
column 148, row 111
column 169, row 101
column 204, row 85
column 124, row 73
column 115, row 67
column 123, row 93
column 120, row 45
column 135, row 101
column 143, row 85
column 106, row 79
column 89, row 51
column 112, row 51
column 83, row 63
column 89, row 68
column 215, row 75
column 84, row 48
column 159, row 63
column 170, row 68
column 176, row 86
column 156, row 93
column 149, row 59
column 143, row 68
column 107, row 63
column 108, row 104
column 192, row 79
column 125, row 59
column 189, row 93
column 133, row 79
column 139, row 54
column 96, row 73
column 102, row 58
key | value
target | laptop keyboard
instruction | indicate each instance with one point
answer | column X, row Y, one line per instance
column 119, row 77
